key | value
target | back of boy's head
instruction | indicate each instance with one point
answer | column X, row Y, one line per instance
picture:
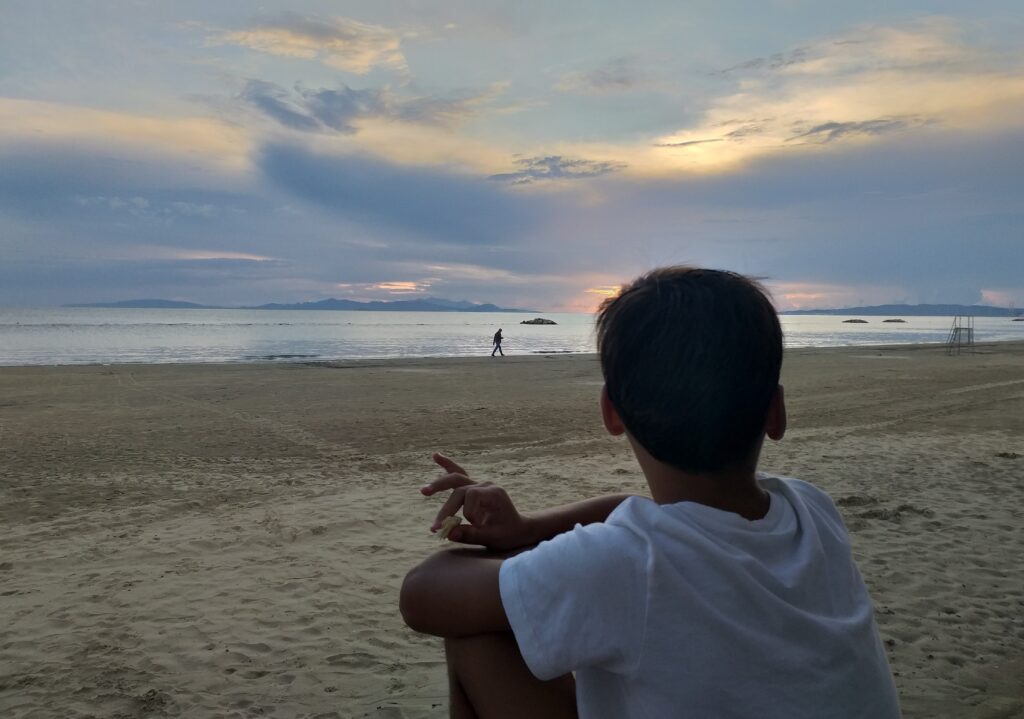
column 691, row 359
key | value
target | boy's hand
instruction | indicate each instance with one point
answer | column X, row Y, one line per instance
column 493, row 520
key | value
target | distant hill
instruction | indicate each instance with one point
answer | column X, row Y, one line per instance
column 914, row 311
column 429, row 304
column 147, row 304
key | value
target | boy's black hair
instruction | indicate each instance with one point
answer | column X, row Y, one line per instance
column 691, row 359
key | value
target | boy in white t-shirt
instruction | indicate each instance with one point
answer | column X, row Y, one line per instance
column 727, row 593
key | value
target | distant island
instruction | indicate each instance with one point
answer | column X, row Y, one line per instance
column 147, row 305
column 428, row 304
column 914, row 311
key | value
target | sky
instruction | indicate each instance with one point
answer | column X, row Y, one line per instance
column 530, row 154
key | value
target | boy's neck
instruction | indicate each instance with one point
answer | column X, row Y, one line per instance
column 734, row 490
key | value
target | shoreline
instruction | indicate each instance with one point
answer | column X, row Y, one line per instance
column 978, row 348
column 208, row 539
column 128, row 340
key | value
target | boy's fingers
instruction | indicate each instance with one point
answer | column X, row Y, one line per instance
column 449, row 465
column 446, row 482
column 478, row 505
column 467, row 534
column 451, row 506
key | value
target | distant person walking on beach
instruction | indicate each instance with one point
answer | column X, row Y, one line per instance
column 497, row 343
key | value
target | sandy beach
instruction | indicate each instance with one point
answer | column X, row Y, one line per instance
column 229, row 540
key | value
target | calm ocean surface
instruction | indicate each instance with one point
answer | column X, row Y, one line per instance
column 55, row 336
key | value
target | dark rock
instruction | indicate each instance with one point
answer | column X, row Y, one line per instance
column 538, row 321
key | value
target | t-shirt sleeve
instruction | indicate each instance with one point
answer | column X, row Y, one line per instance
column 579, row 600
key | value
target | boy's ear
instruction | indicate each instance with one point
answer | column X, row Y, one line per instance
column 612, row 421
column 775, row 425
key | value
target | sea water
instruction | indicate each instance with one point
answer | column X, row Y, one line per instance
column 56, row 336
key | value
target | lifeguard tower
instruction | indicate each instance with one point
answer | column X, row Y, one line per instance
column 961, row 334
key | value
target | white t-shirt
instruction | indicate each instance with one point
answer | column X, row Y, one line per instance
column 682, row 610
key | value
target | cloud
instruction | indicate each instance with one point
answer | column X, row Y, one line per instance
column 275, row 102
column 98, row 221
column 476, row 273
column 859, row 87
column 341, row 110
column 203, row 255
column 487, row 22
column 688, row 142
column 929, row 217
column 387, row 288
column 120, row 278
column 340, row 43
column 773, row 62
column 618, row 75
column 450, row 111
column 337, row 109
column 219, row 145
column 930, row 43
column 555, row 167
column 604, row 291
column 869, row 85
column 314, row 111
column 104, row 182
column 821, row 295
column 424, row 202
column 829, row 131
column 1003, row 297
column 142, row 207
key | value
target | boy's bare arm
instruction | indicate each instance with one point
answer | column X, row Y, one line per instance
column 493, row 519
column 548, row 523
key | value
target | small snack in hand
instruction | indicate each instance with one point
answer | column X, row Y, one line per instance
column 448, row 525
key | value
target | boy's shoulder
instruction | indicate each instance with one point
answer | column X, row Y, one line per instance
column 791, row 486
column 790, row 496
column 799, row 490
